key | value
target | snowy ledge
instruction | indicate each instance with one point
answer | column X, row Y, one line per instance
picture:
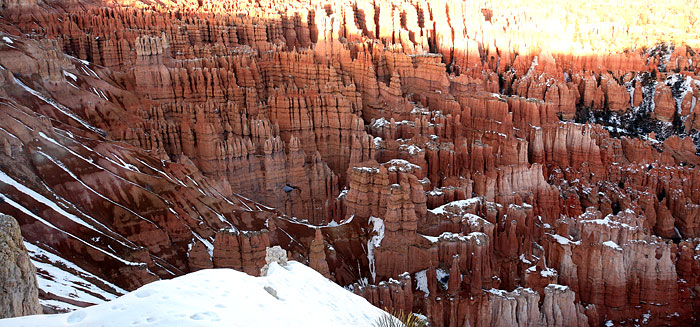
column 294, row 295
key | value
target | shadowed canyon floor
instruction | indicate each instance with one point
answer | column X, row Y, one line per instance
column 482, row 163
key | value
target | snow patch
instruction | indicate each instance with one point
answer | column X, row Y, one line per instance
column 548, row 272
column 225, row 297
column 401, row 165
column 63, row 278
column 69, row 74
column 374, row 242
column 563, row 240
column 613, row 245
column 381, row 122
column 43, row 221
column 370, row 170
column 562, row 288
column 422, row 282
column 42, row 199
column 412, row 149
column 443, row 277
column 455, row 206
column 58, row 106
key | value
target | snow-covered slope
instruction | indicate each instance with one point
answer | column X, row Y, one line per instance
column 225, row 297
column 65, row 284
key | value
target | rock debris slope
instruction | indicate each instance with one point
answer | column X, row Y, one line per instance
column 483, row 163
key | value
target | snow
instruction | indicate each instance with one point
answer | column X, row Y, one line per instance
column 612, row 245
column 378, row 142
column 52, row 140
column 207, row 244
column 381, row 122
column 548, row 272
column 680, row 86
column 510, row 295
column 42, row 199
column 342, row 194
column 419, row 111
column 41, row 220
column 411, row 148
column 422, row 282
column 56, row 105
column 443, row 277
column 436, row 192
column 606, row 222
column 374, row 242
column 523, row 259
column 497, row 292
column 432, row 239
column 478, row 237
column 99, row 93
column 122, row 163
column 175, row 181
column 534, row 64
column 56, row 304
column 401, row 165
column 459, row 205
column 8, row 133
column 475, row 222
column 225, row 297
column 648, row 92
column 563, row 240
column 558, row 287
column 71, row 75
column 369, row 170
column 63, row 278
column 221, row 217
column 86, row 68
column 64, row 168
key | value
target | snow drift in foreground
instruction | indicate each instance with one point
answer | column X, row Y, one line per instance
column 225, row 297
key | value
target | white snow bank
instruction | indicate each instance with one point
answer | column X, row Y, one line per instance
column 612, row 245
column 422, row 282
column 63, row 278
column 374, row 242
column 225, row 297
column 456, row 206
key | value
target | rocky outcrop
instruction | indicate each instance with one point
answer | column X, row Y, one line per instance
column 20, row 293
column 317, row 255
column 274, row 254
column 243, row 251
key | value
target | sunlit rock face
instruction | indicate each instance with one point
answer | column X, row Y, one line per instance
column 494, row 163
